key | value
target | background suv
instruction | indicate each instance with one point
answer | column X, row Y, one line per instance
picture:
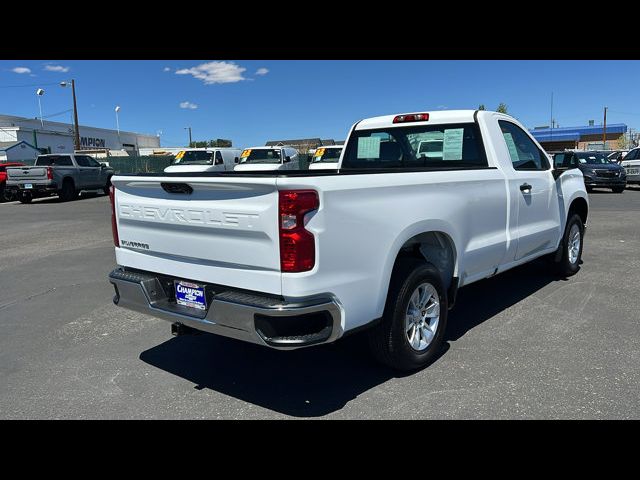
column 596, row 168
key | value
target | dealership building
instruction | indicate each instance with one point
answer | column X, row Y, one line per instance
column 28, row 137
column 586, row 137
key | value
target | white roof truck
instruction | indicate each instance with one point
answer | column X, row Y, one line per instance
column 326, row 158
column 384, row 242
column 195, row 160
column 265, row 159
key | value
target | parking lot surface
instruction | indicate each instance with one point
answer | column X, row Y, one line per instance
column 521, row 345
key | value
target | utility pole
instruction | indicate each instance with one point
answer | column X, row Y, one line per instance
column 75, row 114
column 604, row 130
column 189, row 128
column 551, row 117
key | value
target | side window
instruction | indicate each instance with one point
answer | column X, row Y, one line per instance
column 219, row 160
column 632, row 155
column 525, row 155
column 82, row 161
column 63, row 161
column 93, row 162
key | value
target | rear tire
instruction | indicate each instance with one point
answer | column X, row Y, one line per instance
column 68, row 191
column 571, row 245
column 416, row 306
column 618, row 189
column 25, row 197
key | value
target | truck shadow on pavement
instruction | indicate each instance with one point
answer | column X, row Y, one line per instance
column 318, row 381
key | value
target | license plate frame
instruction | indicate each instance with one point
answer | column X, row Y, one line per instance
column 190, row 295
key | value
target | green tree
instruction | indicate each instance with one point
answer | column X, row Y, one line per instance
column 196, row 144
column 502, row 108
column 220, row 142
column 481, row 107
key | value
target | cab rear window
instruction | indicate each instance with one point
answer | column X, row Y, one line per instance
column 429, row 146
column 51, row 160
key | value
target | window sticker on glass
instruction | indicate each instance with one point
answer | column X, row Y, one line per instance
column 369, row 147
column 245, row 153
column 511, row 145
column 452, row 148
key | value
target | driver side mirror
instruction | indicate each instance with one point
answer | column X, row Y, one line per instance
column 219, row 161
column 287, row 159
column 559, row 170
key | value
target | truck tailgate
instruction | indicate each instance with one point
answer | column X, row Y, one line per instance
column 18, row 174
column 225, row 231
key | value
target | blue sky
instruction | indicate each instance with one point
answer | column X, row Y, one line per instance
column 251, row 102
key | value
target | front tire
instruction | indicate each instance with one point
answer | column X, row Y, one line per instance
column 415, row 317
column 571, row 246
column 618, row 189
column 106, row 187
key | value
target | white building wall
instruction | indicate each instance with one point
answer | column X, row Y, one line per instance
column 8, row 134
column 59, row 136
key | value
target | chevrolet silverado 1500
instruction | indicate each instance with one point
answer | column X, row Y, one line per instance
column 297, row 258
column 64, row 175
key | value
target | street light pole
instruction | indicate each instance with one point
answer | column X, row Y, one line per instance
column 39, row 93
column 604, row 130
column 190, row 141
column 117, row 120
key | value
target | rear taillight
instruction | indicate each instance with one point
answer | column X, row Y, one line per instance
column 114, row 224
column 297, row 245
column 49, row 173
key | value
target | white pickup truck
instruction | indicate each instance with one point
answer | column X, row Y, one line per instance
column 298, row 258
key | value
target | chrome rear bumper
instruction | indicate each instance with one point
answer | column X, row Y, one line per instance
column 251, row 317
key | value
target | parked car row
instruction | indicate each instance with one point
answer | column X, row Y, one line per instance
column 254, row 159
column 603, row 169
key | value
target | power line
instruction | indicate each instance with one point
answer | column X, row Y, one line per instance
column 624, row 113
column 29, row 85
column 59, row 113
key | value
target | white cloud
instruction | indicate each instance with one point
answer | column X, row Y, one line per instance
column 21, row 70
column 215, row 72
column 166, row 69
column 188, row 105
column 262, row 71
column 56, row 68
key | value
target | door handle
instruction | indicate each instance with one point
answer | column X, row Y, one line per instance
column 525, row 187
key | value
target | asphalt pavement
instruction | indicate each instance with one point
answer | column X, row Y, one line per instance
column 521, row 345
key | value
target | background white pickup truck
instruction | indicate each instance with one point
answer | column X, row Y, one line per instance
column 291, row 259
